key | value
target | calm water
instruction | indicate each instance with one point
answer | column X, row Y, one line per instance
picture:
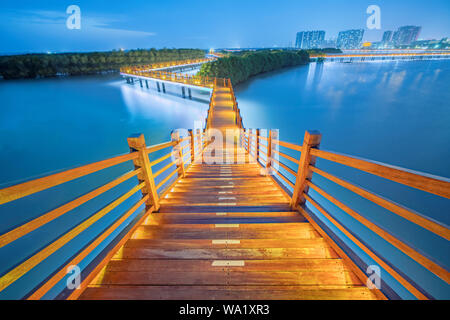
column 396, row 113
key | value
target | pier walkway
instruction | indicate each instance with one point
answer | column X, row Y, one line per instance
column 230, row 218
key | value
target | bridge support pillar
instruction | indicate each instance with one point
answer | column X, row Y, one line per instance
column 163, row 87
column 146, row 83
column 140, row 82
column 311, row 140
column 137, row 144
column 157, row 86
column 177, row 153
column 183, row 92
column 132, row 80
column 189, row 93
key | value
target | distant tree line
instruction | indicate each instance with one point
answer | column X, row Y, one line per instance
column 50, row 65
column 324, row 51
column 240, row 67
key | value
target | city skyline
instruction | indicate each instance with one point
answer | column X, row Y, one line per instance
column 37, row 27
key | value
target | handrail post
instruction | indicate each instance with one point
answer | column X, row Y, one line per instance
column 191, row 134
column 269, row 152
column 258, row 132
column 177, row 153
column 311, row 140
column 137, row 144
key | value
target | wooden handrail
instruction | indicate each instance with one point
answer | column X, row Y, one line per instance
column 18, row 271
column 160, row 146
column 27, row 188
column 287, row 156
column 167, row 178
column 386, row 235
column 406, row 213
column 364, row 248
column 289, row 145
column 41, row 291
column 156, row 174
column 429, row 183
column 53, row 214
column 138, row 150
column 161, row 159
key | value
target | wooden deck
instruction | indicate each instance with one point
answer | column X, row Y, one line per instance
column 226, row 231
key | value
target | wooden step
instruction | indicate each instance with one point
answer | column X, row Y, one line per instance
column 196, row 292
column 188, row 265
column 247, row 231
column 223, row 277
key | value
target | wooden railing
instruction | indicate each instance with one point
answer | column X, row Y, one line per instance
column 193, row 80
column 237, row 111
column 162, row 65
column 301, row 181
column 183, row 152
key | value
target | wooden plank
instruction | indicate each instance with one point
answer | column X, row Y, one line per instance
column 229, row 253
column 242, row 244
column 229, row 293
column 188, row 265
column 231, row 278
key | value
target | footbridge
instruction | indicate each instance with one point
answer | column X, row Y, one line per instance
column 226, row 212
column 366, row 56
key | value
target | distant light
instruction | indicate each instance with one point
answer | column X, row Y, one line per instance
column 367, row 44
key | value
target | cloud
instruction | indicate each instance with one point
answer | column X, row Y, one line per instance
column 109, row 24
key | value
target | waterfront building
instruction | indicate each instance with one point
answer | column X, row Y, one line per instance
column 350, row 39
column 387, row 37
column 310, row 39
column 406, row 35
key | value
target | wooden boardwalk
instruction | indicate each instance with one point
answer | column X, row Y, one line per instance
column 226, row 231
column 229, row 226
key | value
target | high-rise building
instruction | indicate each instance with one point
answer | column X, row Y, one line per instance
column 387, row 37
column 350, row 39
column 309, row 39
column 406, row 35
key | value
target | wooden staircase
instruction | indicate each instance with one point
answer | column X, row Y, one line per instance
column 241, row 244
column 226, row 231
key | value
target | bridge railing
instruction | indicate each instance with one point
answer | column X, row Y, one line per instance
column 237, row 111
column 181, row 153
column 161, row 65
column 298, row 176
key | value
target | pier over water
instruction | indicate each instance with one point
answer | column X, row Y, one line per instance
column 222, row 223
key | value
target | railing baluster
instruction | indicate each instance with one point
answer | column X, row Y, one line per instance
column 311, row 140
column 177, row 153
column 137, row 143
column 258, row 132
column 191, row 135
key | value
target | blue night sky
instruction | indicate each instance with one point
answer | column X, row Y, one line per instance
column 40, row 26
